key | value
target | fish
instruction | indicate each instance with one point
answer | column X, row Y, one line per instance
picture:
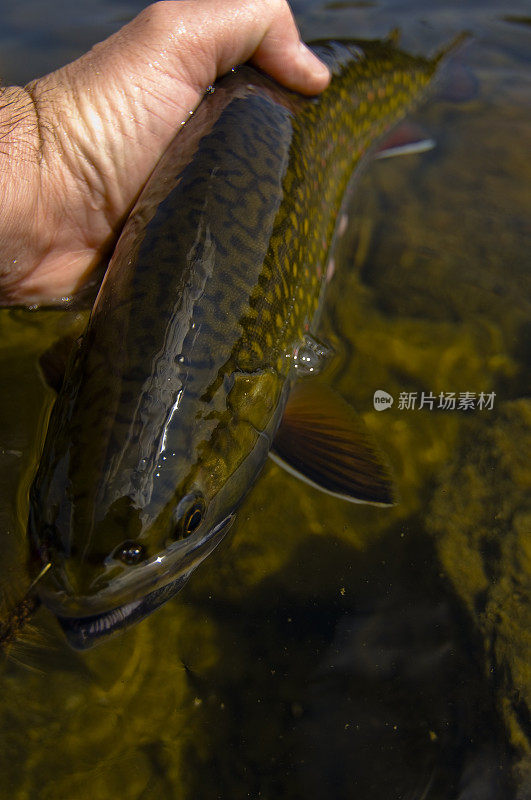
column 200, row 358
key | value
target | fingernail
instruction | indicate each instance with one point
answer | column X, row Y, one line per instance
column 313, row 63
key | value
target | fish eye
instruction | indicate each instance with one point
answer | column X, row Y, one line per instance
column 130, row 552
column 193, row 517
column 190, row 519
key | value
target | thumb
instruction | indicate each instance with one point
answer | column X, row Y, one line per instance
column 116, row 109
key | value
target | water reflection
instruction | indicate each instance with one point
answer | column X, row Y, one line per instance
column 366, row 692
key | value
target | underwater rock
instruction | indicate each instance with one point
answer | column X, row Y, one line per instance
column 481, row 518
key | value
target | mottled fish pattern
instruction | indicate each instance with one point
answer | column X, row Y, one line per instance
column 180, row 381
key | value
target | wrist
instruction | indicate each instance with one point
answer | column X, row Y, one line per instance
column 39, row 248
column 19, row 176
column 19, row 137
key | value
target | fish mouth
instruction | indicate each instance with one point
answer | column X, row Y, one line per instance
column 83, row 633
column 91, row 619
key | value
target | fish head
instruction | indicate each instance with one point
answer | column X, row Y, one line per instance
column 120, row 550
column 95, row 592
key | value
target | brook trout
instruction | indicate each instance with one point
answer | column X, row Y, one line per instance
column 188, row 374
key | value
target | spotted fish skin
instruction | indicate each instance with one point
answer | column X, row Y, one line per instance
column 179, row 383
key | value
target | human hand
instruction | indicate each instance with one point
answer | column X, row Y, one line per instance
column 77, row 146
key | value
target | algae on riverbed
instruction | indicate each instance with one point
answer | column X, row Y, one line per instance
column 481, row 520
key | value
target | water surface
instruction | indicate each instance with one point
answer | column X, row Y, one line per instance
column 327, row 649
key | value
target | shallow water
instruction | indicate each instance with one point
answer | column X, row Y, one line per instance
column 327, row 649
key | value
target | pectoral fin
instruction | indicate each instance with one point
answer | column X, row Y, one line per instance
column 322, row 441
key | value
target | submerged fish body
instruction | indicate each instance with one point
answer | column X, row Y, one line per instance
column 173, row 397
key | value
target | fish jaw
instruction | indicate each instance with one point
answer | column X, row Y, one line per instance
column 82, row 633
column 134, row 594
